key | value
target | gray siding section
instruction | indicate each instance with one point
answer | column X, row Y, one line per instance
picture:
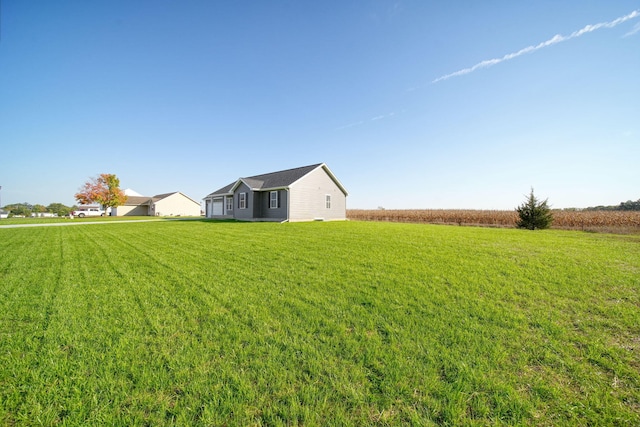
column 248, row 212
column 308, row 198
column 257, row 208
column 209, row 212
column 266, row 212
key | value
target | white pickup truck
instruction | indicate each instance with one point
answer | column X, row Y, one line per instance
column 83, row 211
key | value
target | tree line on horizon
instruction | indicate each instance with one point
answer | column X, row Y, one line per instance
column 629, row 205
column 103, row 190
column 26, row 209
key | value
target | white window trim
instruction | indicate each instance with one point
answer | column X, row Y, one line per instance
column 229, row 203
column 273, row 201
column 327, row 201
column 243, row 200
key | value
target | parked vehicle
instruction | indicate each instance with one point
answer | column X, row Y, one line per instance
column 84, row 211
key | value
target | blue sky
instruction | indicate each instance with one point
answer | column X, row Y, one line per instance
column 412, row 104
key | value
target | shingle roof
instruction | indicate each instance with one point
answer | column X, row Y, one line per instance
column 162, row 196
column 224, row 190
column 137, row 200
column 159, row 197
column 278, row 179
column 145, row 200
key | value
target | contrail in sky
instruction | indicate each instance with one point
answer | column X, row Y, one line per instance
column 632, row 32
column 553, row 40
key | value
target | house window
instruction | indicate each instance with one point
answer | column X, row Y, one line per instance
column 273, row 199
column 229, row 203
column 327, row 201
column 242, row 201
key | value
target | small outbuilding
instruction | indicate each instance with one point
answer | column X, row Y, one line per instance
column 306, row 193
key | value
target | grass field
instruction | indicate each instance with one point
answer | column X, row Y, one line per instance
column 348, row 323
column 76, row 220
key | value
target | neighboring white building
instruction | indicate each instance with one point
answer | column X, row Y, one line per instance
column 168, row 204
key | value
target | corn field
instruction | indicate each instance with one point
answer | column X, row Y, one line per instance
column 600, row 221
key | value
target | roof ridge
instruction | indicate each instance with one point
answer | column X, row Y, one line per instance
column 163, row 195
column 283, row 170
column 271, row 180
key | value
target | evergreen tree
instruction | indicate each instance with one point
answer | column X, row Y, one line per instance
column 534, row 214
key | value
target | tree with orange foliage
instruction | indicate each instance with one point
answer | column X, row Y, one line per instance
column 104, row 190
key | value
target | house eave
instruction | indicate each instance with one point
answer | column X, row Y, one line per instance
column 216, row 196
column 237, row 184
column 272, row 188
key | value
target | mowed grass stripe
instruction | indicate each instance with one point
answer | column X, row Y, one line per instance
column 30, row 279
column 206, row 323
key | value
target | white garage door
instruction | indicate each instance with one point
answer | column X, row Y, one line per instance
column 217, row 207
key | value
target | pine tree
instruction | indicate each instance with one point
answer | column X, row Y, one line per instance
column 534, row 214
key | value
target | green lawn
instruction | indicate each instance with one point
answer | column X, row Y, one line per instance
column 75, row 220
column 349, row 323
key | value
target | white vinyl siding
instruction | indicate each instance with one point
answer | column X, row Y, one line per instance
column 307, row 198
column 177, row 204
